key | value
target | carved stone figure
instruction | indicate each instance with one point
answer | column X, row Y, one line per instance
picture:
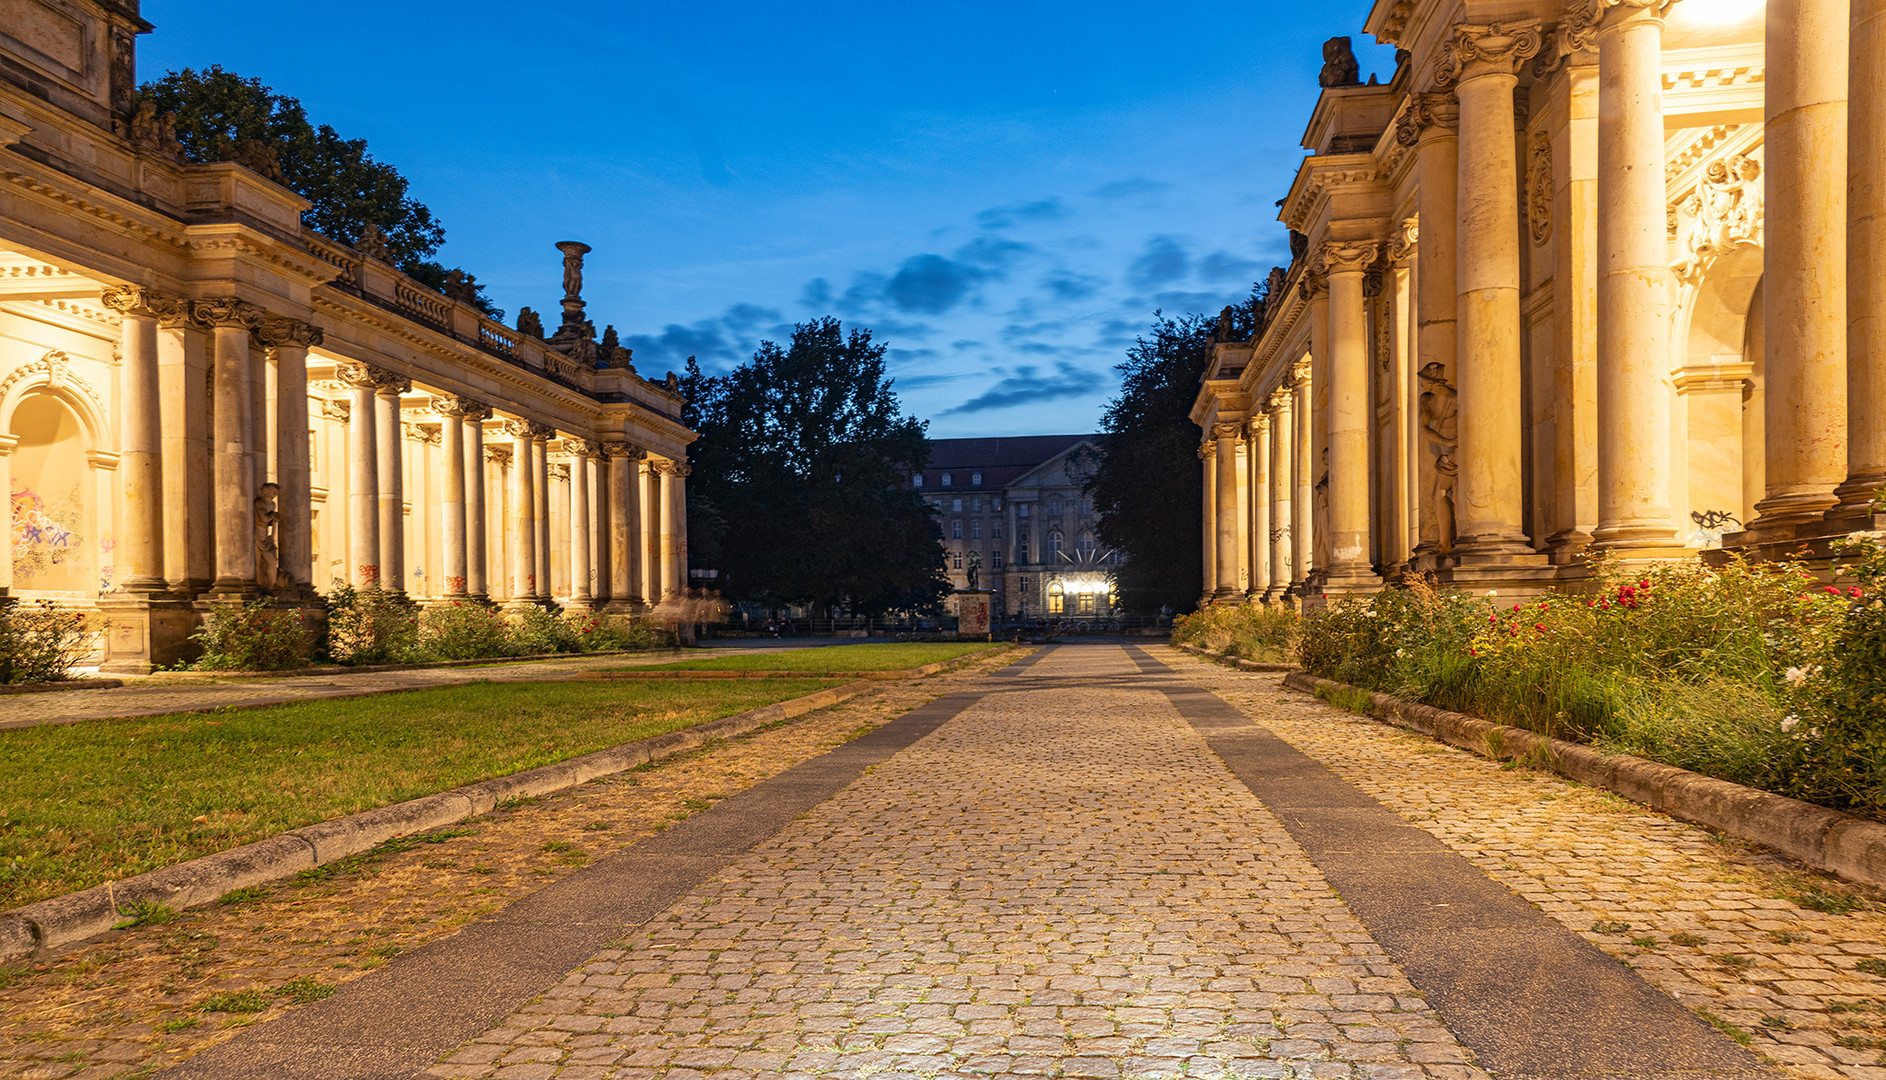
column 1339, row 64
column 1274, row 285
column 1440, row 423
column 573, row 253
column 259, row 158
column 1539, row 187
column 372, row 243
column 1225, row 319
column 972, row 568
column 1299, row 245
column 153, row 131
column 530, row 323
column 1320, row 522
column 267, row 555
column 1725, row 212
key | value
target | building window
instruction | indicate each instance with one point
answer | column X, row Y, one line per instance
column 1084, row 603
column 1056, row 599
column 1054, row 506
column 995, row 503
column 1087, row 506
column 1021, row 510
column 957, row 562
column 946, row 479
column 975, row 529
column 976, row 504
column 1087, row 539
column 916, row 480
column 956, row 530
column 995, row 559
column 1054, row 546
column 995, row 528
column 956, row 506
column 975, row 479
column 1024, row 581
column 1021, row 552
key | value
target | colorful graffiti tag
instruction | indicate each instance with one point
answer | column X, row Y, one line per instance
column 45, row 534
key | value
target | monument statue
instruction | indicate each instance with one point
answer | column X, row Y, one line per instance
column 973, row 569
column 1440, row 422
column 1339, row 64
column 267, row 555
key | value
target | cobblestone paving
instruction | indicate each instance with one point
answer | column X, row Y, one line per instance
column 186, row 693
column 120, row 1005
column 1713, row 922
column 1060, row 881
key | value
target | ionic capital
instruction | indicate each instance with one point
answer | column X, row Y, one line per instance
column 583, row 448
column 626, row 450
column 276, row 331
column 1350, row 256
column 528, row 430
column 1490, row 49
column 1207, row 450
column 559, row 471
column 367, row 377
column 462, row 408
column 1403, row 241
column 498, row 455
column 1427, row 113
column 226, row 311
column 1226, row 430
column 137, row 300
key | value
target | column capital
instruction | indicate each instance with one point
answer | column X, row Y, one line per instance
column 368, row 377
column 1486, row 49
column 1226, row 429
column 583, row 448
column 499, row 455
column 332, row 409
column 623, row 450
column 529, row 430
column 460, row 407
column 559, row 470
column 665, row 467
column 1207, row 450
column 275, row 331
column 1425, row 114
column 421, row 433
column 1258, row 425
column 226, row 311
column 1315, row 279
column 1350, row 256
column 148, row 303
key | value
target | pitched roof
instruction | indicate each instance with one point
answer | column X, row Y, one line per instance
column 1001, row 460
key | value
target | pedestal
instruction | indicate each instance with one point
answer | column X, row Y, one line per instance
column 972, row 614
column 143, row 634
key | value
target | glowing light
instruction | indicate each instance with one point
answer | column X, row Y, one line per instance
column 1720, row 12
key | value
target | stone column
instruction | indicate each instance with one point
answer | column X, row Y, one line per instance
column 540, row 507
column 1257, row 433
column 1351, row 415
column 523, row 530
column 676, row 507
column 1208, row 454
column 1481, row 63
column 288, row 342
column 1634, row 285
column 625, row 526
column 1303, row 471
column 363, row 476
column 231, row 462
column 140, row 548
column 1866, row 259
column 1431, row 125
column 472, row 416
column 1804, row 287
column 582, row 585
column 1225, row 516
column 389, row 444
column 1282, row 485
column 498, row 521
column 453, row 548
column 661, row 530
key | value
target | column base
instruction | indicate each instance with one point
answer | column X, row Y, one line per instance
column 1811, row 542
column 1354, row 580
column 143, row 633
column 625, row 605
column 576, row 604
column 1857, row 496
column 1783, row 516
column 1564, row 547
column 1520, row 574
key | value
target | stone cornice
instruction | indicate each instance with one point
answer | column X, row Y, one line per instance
column 1318, row 176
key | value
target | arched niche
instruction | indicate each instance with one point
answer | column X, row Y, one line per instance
column 1717, row 377
column 57, row 530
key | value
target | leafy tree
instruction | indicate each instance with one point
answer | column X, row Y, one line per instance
column 218, row 112
column 1146, row 489
column 801, row 478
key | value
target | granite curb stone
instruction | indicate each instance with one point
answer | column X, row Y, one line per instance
column 63, row 920
column 59, row 684
column 1823, row 838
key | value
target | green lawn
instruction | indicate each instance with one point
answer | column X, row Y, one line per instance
column 87, row 802
column 887, row 656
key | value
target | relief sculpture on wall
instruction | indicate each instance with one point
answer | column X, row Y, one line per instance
column 1440, row 426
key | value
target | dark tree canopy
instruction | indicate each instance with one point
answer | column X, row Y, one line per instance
column 1146, row 489
column 219, row 113
column 799, row 491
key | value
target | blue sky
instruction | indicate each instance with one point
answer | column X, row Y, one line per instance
column 1003, row 192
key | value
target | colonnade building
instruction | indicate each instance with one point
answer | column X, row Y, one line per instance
column 203, row 400
column 1598, row 276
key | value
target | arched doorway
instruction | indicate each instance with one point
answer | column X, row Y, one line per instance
column 57, row 545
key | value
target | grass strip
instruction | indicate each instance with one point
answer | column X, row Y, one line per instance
column 888, row 656
column 81, row 804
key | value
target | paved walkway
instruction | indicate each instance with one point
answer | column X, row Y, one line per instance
column 158, row 694
column 1088, row 865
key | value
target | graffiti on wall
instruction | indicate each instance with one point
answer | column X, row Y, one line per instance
column 46, row 536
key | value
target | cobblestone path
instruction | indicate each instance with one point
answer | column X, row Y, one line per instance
column 1060, row 881
column 168, row 693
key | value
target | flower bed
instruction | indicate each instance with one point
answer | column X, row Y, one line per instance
column 1262, row 632
column 1758, row 674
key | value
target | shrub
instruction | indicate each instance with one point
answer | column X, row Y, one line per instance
column 535, row 631
column 40, row 642
column 371, row 625
column 462, row 630
column 1264, row 632
column 256, row 636
column 596, row 632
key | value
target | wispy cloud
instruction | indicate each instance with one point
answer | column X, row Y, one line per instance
column 1025, row 384
column 1003, row 217
column 1163, row 260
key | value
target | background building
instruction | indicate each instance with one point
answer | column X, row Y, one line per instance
column 1019, row 505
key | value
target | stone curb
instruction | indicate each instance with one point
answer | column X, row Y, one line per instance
column 58, row 685
column 1823, row 838
column 62, row 920
column 1235, row 661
